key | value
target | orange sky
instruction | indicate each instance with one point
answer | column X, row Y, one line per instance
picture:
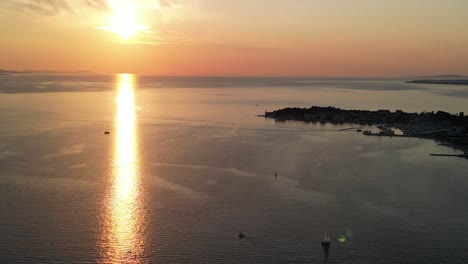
column 214, row 37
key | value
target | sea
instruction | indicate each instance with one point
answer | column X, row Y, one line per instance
column 188, row 163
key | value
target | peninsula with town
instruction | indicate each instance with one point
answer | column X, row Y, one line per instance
column 446, row 128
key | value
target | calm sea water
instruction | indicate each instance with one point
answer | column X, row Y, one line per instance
column 188, row 165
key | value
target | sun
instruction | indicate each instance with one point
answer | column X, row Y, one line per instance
column 124, row 20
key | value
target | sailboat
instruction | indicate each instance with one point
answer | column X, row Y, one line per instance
column 326, row 240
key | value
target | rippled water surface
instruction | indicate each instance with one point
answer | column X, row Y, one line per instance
column 188, row 164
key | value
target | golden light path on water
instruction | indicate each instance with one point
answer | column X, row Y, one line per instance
column 122, row 235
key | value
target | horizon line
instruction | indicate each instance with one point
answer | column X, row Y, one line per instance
column 89, row 72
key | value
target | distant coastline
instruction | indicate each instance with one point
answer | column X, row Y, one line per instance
column 10, row 72
column 448, row 129
column 442, row 81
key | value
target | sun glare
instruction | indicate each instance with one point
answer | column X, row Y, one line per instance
column 122, row 240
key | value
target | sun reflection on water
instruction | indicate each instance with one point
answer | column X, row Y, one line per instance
column 122, row 235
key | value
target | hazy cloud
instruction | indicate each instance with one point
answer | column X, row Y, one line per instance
column 167, row 3
column 42, row 7
column 98, row 4
column 54, row 7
